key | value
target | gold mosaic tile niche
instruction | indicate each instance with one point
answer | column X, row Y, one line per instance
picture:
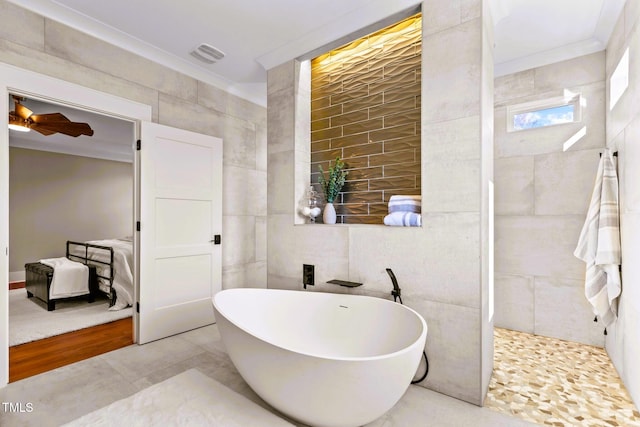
column 365, row 108
column 554, row 382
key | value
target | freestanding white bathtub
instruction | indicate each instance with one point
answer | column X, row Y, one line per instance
column 322, row 359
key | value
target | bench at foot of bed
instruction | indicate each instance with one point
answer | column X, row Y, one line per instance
column 38, row 283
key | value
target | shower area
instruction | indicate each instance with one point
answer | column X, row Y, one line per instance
column 544, row 177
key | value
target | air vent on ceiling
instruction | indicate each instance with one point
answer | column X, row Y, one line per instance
column 207, row 53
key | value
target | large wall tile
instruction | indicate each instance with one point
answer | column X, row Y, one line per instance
column 213, row 97
column 628, row 170
column 14, row 23
column 564, row 182
column 454, row 139
column 514, row 186
column 71, row 44
column 631, row 15
column 261, row 239
column 578, row 71
column 512, row 86
column 447, row 247
column 276, row 281
column 280, row 77
column 456, row 330
column 443, row 15
column 514, row 302
column 562, row 311
column 280, row 116
column 243, row 191
column 252, row 275
column 261, row 145
column 280, row 183
column 239, row 138
column 538, row 246
column 452, row 186
column 239, row 240
column 326, row 247
column 185, row 115
column 453, row 90
column 631, row 350
column 43, row 63
column 630, row 225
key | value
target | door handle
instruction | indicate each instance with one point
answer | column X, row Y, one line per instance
column 216, row 239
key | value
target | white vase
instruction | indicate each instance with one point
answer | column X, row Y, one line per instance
column 329, row 214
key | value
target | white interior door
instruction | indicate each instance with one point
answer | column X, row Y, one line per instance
column 180, row 217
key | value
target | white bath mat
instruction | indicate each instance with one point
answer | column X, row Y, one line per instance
column 188, row 399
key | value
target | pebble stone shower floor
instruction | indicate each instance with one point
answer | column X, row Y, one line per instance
column 553, row 382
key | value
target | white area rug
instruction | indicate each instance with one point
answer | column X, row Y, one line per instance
column 188, row 399
column 30, row 320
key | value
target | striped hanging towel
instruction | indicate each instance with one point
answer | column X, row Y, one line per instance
column 599, row 243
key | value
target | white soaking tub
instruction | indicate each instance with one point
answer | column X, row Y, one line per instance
column 322, row 359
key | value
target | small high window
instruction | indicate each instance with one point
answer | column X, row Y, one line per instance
column 544, row 113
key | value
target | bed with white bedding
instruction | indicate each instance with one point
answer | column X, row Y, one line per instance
column 113, row 259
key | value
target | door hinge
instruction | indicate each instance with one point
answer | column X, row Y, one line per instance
column 137, row 225
column 138, row 145
column 137, row 307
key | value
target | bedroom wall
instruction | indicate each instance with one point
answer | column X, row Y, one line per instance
column 29, row 41
column 623, row 134
column 57, row 197
column 542, row 194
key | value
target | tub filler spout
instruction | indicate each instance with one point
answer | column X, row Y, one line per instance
column 396, row 289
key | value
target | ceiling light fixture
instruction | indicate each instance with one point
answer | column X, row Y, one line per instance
column 207, row 53
column 18, row 125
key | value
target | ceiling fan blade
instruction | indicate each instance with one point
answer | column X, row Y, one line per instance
column 43, row 131
column 66, row 128
column 48, row 118
column 23, row 111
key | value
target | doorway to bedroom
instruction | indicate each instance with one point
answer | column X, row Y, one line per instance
column 70, row 189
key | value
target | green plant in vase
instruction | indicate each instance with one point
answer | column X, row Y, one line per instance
column 331, row 187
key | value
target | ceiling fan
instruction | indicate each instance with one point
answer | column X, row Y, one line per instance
column 23, row 119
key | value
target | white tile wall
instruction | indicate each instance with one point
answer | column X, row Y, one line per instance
column 560, row 308
column 542, row 196
column 623, row 134
column 515, row 297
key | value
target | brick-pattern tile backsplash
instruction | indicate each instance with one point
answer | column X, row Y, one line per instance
column 365, row 108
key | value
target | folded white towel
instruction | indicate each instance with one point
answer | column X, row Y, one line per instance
column 70, row 278
column 399, row 203
column 404, row 219
column 599, row 243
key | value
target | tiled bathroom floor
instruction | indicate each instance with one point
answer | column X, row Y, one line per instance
column 554, row 382
column 62, row 395
column 536, row 381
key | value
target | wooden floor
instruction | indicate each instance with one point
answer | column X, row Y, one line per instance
column 35, row 357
